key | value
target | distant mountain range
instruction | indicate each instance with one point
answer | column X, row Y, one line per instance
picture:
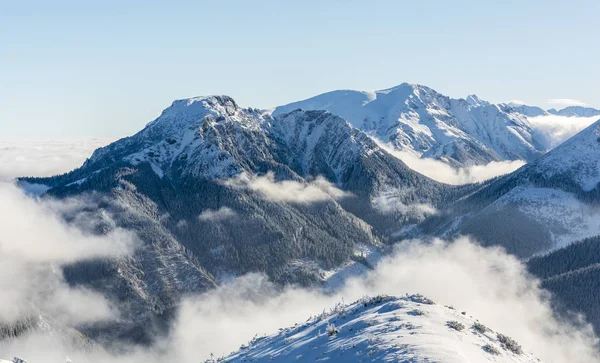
column 420, row 120
column 461, row 132
column 570, row 111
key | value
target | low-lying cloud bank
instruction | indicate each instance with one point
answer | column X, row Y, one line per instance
column 485, row 282
column 554, row 130
column 442, row 172
column 44, row 157
column 34, row 244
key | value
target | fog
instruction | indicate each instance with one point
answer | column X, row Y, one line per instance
column 554, row 130
column 220, row 214
column 551, row 130
column 486, row 282
column 44, row 157
column 442, row 172
column 35, row 242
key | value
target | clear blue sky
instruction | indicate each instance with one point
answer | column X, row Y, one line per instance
column 106, row 68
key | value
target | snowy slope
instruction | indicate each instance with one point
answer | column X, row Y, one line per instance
column 418, row 119
column 390, row 329
column 548, row 204
column 577, row 159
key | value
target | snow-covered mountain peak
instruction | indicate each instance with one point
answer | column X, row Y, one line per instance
column 382, row 329
column 196, row 107
column 475, row 101
column 404, row 87
column 418, row 119
column 577, row 159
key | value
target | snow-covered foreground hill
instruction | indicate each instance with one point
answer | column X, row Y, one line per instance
column 386, row 329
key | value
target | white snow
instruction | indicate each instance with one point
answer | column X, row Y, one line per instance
column 416, row 118
column 381, row 329
column 568, row 219
column 577, row 158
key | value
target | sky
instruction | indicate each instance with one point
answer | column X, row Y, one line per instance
column 105, row 69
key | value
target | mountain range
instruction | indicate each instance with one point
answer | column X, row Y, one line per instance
column 422, row 121
column 214, row 191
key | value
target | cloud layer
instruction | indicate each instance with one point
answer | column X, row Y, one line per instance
column 445, row 173
column 486, row 283
column 44, row 157
column 554, row 130
column 34, row 243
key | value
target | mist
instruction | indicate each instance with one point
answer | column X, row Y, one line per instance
column 554, row 130
column 487, row 283
column 45, row 157
column 34, row 244
column 444, row 173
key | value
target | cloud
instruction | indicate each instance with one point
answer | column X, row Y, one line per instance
column 34, row 243
column 553, row 130
column 220, row 214
column 393, row 200
column 44, row 157
column 442, row 172
column 566, row 102
column 287, row 190
column 517, row 103
column 485, row 282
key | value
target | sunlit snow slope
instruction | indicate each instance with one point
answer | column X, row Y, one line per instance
column 386, row 329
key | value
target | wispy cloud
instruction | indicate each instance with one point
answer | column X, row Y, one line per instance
column 517, row 103
column 210, row 215
column 566, row 102
column 393, row 200
column 287, row 190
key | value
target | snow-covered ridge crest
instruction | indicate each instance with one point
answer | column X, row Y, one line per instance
column 384, row 328
column 577, row 158
column 213, row 138
column 418, row 119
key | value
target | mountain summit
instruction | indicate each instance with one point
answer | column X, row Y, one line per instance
column 419, row 120
column 386, row 329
